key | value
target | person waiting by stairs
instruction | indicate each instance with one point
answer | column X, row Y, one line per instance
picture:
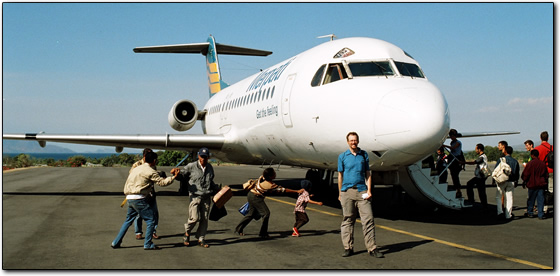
column 441, row 165
column 479, row 179
column 456, row 155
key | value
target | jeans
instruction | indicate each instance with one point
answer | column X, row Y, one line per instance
column 138, row 207
column 138, row 220
column 480, row 185
column 352, row 203
column 537, row 194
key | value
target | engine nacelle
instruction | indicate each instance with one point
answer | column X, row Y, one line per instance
column 183, row 115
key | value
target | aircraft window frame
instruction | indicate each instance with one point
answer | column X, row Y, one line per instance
column 406, row 69
column 386, row 65
column 316, row 80
column 334, row 70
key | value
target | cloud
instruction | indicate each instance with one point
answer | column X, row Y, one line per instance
column 519, row 104
column 530, row 101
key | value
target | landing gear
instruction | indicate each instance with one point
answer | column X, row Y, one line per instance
column 324, row 188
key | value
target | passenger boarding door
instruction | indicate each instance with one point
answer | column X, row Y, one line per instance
column 286, row 117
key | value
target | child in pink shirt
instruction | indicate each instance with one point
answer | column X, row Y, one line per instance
column 301, row 204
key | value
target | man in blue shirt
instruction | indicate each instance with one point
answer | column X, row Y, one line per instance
column 354, row 185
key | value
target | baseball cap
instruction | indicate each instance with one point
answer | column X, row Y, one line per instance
column 204, row 152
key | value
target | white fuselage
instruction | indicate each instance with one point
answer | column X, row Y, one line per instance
column 277, row 116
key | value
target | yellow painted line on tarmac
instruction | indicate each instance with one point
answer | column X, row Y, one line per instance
column 515, row 260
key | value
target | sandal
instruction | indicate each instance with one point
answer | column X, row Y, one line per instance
column 203, row 244
column 239, row 233
column 186, row 239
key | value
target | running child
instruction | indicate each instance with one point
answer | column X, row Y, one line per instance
column 301, row 204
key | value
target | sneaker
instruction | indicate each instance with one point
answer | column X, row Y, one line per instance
column 348, row 252
column 376, row 253
column 296, row 233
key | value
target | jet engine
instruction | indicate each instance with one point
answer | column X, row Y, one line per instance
column 183, row 115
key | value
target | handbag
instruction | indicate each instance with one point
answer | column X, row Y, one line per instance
column 485, row 172
column 250, row 184
column 216, row 213
column 244, row 209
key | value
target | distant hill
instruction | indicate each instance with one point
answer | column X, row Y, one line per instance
column 14, row 146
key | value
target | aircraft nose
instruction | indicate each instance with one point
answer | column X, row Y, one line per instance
column 412, row 120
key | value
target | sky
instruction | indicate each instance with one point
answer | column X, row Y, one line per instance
column 69, row 68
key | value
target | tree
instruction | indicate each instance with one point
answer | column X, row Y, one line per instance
column 77, row 161
column 22, row 161
column 170, row 158
column 109, row 161
column 126, row 159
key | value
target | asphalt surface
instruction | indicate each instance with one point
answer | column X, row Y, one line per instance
column 66, row 218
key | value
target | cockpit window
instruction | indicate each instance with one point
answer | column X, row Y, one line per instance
column 371, row 68
column 409, row 69
column 335, row 72
column 316, row 81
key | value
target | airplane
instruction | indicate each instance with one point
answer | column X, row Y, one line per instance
column 299, row 111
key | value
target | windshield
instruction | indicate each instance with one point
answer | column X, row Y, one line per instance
column 371, row 68
column 409, row 69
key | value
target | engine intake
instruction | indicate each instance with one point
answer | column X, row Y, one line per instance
column 183, row 115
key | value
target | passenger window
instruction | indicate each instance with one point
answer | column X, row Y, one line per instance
column 316, row 81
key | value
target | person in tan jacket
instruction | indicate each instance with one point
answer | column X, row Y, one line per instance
column 138, row 220
column 257, row 206
column 137, row 190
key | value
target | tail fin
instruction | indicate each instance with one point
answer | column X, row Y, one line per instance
column 210, row 49
column 215, row 82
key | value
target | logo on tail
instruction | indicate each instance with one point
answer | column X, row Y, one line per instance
column 215, row 83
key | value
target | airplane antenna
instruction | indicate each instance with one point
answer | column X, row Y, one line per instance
column 332, row 36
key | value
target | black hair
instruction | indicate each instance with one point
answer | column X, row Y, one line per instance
column 150, row 157
column 544, row 136
column 269, row 174
column 146, row 150
column 509, row 150
column 535, row 153
column 480, row 147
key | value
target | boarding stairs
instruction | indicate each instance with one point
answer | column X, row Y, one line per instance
column 422, row 184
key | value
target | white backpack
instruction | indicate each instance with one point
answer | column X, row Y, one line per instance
column 502, row 171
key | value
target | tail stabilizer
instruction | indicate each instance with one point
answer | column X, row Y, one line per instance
column 215, row 82
column 210, row 49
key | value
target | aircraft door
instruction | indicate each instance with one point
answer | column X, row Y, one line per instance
column 286, row 117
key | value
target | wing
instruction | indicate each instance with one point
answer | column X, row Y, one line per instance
column 480, row 134
column 164, row 142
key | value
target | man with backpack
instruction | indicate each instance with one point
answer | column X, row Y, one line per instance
column 506, row 188
column 545, row 154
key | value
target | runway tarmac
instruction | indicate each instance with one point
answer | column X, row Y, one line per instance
column 66, row 218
